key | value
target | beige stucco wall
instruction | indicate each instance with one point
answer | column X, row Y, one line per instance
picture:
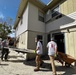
column 23, row 38
column 70, row 42
column 31, row 42
column 68, row 6
column 27, row 41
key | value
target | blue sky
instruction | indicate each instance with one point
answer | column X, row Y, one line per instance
column 45, row 1
column 8, row 8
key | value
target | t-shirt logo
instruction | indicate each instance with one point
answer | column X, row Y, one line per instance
column 52, row 46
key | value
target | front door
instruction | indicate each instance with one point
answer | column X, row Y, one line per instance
column 59, row 38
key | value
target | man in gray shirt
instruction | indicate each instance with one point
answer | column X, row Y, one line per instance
column 5, row 49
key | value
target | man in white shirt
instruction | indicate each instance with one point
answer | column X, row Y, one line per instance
column 52, row 50
column 38, row 54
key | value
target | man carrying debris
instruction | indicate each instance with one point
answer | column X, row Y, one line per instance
column 5, row 49
column 38, row 54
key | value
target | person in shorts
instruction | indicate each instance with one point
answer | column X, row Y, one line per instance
column 52, row 50
column 39, row 52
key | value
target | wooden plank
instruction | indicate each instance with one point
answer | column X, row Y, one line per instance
column 23, row 50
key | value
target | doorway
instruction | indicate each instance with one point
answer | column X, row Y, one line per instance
column 59, row 39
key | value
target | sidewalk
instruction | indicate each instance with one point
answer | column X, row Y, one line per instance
column 18, row 66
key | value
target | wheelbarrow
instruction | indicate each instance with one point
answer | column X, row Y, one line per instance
column 68, row 59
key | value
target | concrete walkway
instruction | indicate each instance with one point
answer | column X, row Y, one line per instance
column 18, row 66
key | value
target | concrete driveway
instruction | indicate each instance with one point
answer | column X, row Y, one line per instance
column 17, row 65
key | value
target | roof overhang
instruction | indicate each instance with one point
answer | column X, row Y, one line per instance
column 21, row 8
column 51, row 4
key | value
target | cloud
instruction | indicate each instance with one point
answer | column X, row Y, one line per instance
column 1, row 15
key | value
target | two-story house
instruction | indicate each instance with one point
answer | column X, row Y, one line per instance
column 57, row 18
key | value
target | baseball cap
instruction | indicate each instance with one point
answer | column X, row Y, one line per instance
column 52, row 38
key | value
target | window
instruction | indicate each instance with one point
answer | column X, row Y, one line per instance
column 59, row 16
column 40, row 16
column 55, row 11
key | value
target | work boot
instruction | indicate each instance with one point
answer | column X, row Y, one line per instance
column 36, row 69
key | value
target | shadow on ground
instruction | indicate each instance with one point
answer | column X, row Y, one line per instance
column 3, row 64
column 16, row 61
column 12, row 56
column 47, row 67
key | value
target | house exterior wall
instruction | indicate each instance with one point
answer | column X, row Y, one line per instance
column 34, row 24
column 23, row 38
column 70, row 42
column 35, row 27
column 32, row 44
column 68, row 21
column 23, row 42
column 61, row 23
column 68, row 7
column 21, row 31
column 32, row 27
column 24, row 26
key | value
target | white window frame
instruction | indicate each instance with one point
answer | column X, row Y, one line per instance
column 54, row 8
